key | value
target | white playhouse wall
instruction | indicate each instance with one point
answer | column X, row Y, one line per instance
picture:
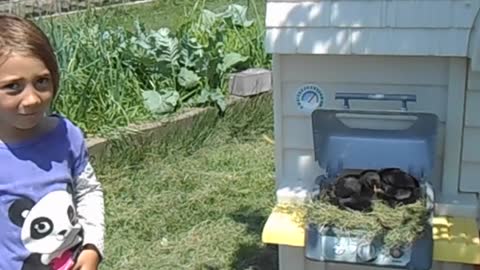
column 370, row 27
column 470, row 166
column 428, row 78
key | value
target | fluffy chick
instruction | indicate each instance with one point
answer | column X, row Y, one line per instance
column 398, row 187
column 353, row 192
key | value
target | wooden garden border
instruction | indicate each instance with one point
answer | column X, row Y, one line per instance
column 98, row 145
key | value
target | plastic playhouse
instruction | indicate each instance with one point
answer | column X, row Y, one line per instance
column 366, row 84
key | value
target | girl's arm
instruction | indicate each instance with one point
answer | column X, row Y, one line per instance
column 90, row 209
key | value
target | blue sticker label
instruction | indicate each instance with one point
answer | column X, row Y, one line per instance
column 309, row 97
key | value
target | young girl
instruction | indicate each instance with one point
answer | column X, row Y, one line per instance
column 51, row 204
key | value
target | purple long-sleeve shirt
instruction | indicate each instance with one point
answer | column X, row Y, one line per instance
column 38, row 204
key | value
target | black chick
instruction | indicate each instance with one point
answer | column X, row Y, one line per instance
column 398, row 187
column 371, row 179
column 351, row 191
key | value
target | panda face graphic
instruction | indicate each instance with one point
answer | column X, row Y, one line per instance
column 48, row 227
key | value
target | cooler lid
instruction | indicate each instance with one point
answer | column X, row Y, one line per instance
column 357, row 139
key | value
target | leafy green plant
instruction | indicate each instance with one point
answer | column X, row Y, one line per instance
column 113, row 76
column 198, row 64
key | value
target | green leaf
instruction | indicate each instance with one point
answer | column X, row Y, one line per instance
column 167, row 46
column 187, row 78
column 158, row 103
column 192, row 53
column 230, row 60
column 218, row 98
column 207, row 19
column 204, row 97
column 238, row 15
column 221, row 103
column 207, row 96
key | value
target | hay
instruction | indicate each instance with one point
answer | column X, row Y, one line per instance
column 396, row 226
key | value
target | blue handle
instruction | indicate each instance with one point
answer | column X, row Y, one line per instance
column 380, row 97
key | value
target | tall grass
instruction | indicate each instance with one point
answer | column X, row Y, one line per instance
column 115, row 76
column 98, row 91
column 192, row 198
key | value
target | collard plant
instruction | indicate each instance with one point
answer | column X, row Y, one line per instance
column 196, row 59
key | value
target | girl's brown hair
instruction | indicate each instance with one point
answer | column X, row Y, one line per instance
column 19, row 35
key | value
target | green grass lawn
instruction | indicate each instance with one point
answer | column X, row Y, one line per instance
column 193, row 199
column 169, row 13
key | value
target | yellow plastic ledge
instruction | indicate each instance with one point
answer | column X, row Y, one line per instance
column 281, row 228
column 456, row 239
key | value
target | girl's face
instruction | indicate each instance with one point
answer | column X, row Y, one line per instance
column 26, row 91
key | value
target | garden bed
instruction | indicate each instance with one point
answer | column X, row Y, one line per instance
column 118, row 76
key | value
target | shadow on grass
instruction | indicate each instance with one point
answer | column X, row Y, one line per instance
column 254, row 256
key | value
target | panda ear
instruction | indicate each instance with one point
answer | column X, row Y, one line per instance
column 19, row 209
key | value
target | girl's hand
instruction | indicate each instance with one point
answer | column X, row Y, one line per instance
column 88, row 259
